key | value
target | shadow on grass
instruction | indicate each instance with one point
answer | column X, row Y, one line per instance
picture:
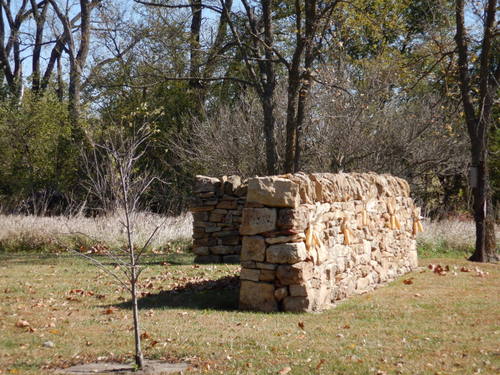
column 221, row 295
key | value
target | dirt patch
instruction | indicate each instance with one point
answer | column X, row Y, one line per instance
column 150, row 367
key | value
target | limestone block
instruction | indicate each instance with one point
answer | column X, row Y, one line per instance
column 204, row 242
column 297, row 304
column 206, row 184
column 249, row 274
column 248, row 264
column 273, row 191
column 300, row 290
column 226, row 233
column 201, row 250
column 266, row 266
column 297, row 218
column 231, row 184
column 258, row 220
column 222, row 250
column 200, row 216
column 294, row 274
column 212, row 229
column 201, row 209
column 286, row 253
column 280, row 293
column 232, row 258
column 257, row 296
column 233, row 240
column 284, row 239
column 267, row 275
column 227, row 204
column 216, row 218
column 253, row 248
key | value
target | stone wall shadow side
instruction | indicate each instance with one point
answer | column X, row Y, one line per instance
column 310, row 240
column 217, row 206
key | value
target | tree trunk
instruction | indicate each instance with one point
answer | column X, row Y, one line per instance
column 269, row 124
column 485, row 250
column 139, row 357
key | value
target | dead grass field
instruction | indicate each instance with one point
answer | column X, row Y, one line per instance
column 430, row 324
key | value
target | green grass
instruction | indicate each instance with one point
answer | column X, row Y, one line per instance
column 436, row 325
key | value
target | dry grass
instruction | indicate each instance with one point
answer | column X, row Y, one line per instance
column 25, row 233
column 433, row 325
column 450, row 238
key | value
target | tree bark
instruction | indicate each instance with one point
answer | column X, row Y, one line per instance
column 478, row 121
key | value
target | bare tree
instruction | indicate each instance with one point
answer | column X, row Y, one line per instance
column 123, row 150
column 77, row 53
column 478, row 97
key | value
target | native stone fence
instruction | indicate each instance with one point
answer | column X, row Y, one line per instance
column 310, row 240
column 216, row 207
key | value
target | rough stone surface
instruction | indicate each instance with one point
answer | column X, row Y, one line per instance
column 253, row 248
column 273, row 191
column 257, row 296
column 293, row 252
column 257, row 220
column 217, row 207
column 307, row 240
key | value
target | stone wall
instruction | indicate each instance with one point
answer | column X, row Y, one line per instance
column 217, row 206
column 310, row 240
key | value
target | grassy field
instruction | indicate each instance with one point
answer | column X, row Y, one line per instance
column 431, row 324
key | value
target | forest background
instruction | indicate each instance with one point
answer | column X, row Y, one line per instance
column 233, row 87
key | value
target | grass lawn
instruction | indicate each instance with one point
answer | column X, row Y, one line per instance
column 430, row 325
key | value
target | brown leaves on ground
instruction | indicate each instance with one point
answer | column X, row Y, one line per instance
column 301, row 325
column 22, row 323
column 443, row 271
column 408, row 281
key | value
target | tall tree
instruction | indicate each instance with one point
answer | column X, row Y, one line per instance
column 479, row 80
column 77, row 53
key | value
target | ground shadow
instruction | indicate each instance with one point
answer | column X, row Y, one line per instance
column 221, row 294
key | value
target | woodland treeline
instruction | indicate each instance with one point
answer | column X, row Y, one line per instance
column 247, row 87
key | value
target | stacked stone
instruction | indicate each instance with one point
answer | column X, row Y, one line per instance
column 216, row 207
column 310, row 240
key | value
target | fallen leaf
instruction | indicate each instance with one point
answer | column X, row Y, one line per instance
column 464, row 269
column 108, row 311
column 408, row 281
column 285, row 370
column 301, row 325
column 321, row 362
column 22, row 323
column 347, row 326
column 145, row 336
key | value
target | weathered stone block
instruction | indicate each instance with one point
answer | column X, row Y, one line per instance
column 273, row 191
column 232, row 258
column 216, row 218
column 280, row 293
column 257, row 296
column 222, row 250
column 253, row 248
column 231, row 184
column 258, row 220
column 267, row 275
column 286, row 253
column 201, row 250
column 299, row 290
column 297, row 218
column 206, row 184
column 227, row 204
column 297, row 304
column 250, row 274
column 233, row 240
column 294, row 274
